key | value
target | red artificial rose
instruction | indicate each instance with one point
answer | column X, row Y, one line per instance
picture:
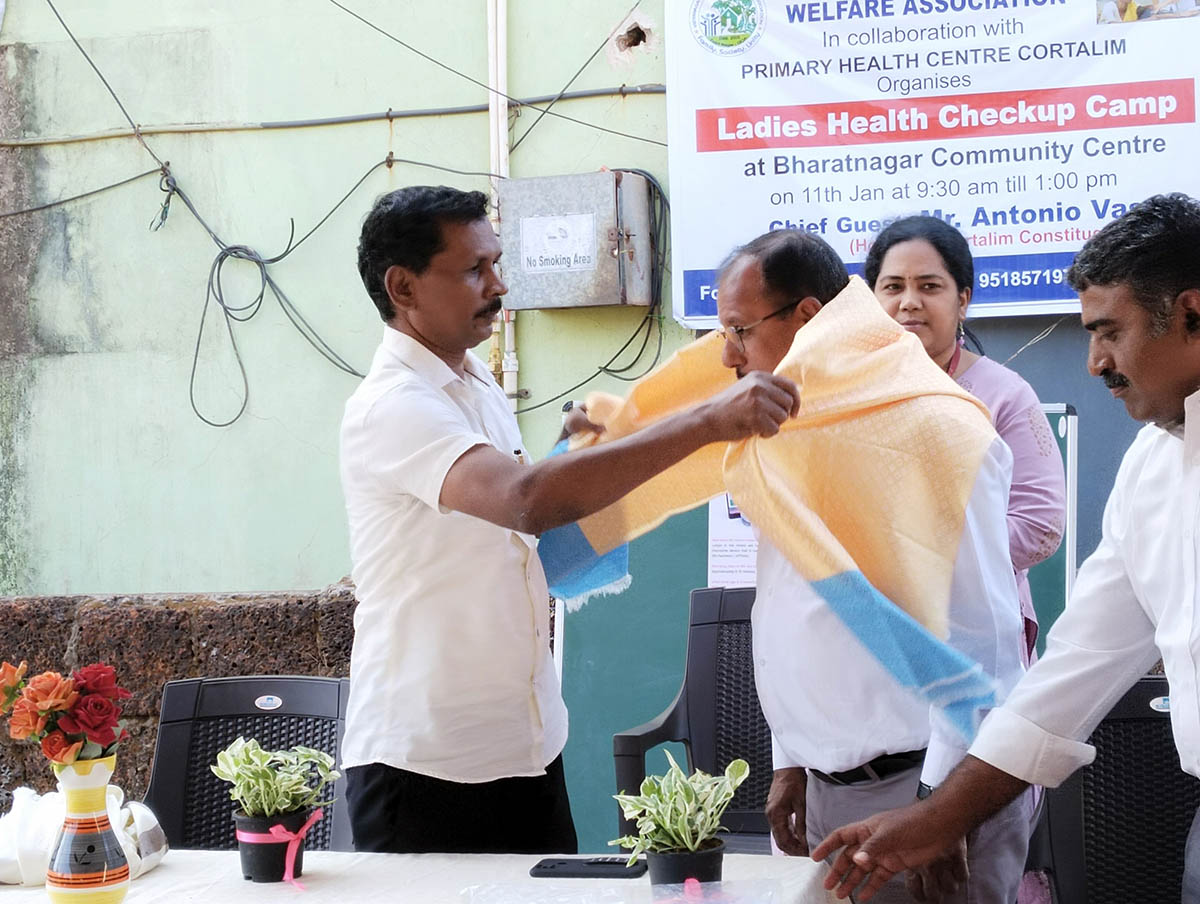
column 99, row 678
column 94, row 715
column 58, row 749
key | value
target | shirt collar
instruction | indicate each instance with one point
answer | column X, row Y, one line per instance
column 426, row 364
column 1191, row 416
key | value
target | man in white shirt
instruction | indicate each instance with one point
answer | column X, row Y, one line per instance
column 848, row 740
column 1136, row 597
column 456, row 723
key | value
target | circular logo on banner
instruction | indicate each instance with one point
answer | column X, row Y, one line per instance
column 727, row 27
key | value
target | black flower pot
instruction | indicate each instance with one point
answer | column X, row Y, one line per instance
column 676, row 867
column 266, row 862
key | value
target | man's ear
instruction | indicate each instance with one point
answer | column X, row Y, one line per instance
column 1189, row 302
column 398, row 282
column 808, row 308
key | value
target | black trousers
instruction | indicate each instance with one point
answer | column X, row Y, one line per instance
column 396, row 811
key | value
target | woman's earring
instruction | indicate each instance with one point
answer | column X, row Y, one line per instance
column 961, row 334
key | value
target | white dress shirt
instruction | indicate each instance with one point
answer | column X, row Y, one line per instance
column 831, row 706
column 450, row 674
column 1135, row 599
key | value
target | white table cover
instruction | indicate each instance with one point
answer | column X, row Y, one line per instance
column 214, row 877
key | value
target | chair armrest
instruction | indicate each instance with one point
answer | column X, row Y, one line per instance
column 630, row 746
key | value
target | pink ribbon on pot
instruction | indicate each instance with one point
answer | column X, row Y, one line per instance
column 277, row 835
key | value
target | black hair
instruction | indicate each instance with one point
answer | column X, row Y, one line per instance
column 404, row 228
column 795, row 265
column 1152, row 249
column 946, row 240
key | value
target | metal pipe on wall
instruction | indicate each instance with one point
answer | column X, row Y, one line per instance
column 498, row 144
column 495, row 357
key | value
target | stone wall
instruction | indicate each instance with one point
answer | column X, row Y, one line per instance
column 151, row 639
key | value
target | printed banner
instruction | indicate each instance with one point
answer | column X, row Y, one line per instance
column 1027, row 124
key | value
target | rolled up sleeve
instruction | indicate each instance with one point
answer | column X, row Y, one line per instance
column 1097, row 649
column 412, row 441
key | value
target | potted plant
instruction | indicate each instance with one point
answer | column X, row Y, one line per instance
column 678, row 818
column 276, row 790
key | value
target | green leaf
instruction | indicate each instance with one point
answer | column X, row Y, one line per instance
column 679, row 812
column 736, row 771
column 272, row 782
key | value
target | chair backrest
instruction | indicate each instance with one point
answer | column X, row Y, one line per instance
column 716, row 715
column 724, row 717
column 201, row 716
column 1117, row 828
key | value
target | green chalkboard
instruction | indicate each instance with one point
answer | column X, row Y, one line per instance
column 1050, row 581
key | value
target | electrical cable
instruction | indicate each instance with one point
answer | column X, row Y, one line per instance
column 659, row 222
column 571, row 80
column 86, row 194
column 136, row 131
column 1038, row 338
column 191, row 128
column 387, row 161
column 215, row 292
column 487, row 87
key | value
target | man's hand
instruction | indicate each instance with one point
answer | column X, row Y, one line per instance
column 753, row 406
column 940, row 878
column 576, row 421
column 887, row 843
column 785, row 810
column 876, row 849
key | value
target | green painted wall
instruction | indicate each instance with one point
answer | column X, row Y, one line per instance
column 110, row 483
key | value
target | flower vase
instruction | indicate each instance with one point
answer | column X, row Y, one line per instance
column 87, row 865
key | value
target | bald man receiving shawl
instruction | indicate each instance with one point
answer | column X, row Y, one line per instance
column 880, row 511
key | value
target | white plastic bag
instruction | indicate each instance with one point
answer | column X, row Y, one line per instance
column 28, row 830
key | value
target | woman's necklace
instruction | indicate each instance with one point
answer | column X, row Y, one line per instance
column 953, row 365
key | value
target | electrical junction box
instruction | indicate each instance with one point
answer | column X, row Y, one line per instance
column 576, row 241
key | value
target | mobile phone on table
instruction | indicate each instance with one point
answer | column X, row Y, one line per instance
column 587, row 868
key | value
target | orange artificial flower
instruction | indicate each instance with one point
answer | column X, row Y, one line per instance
column 50, row 692
column 25, row 720
column 10, row 683
column 58, row 749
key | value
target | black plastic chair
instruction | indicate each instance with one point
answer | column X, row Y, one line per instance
column 202, row 716
column 1114, row 832
column 716, row 716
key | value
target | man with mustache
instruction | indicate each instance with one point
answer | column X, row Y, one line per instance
column 1137, row 597
column 847, row 739
column 456, row 723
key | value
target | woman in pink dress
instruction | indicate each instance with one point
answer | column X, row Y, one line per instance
column 921, row 270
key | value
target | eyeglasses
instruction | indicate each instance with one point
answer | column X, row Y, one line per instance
column 734, row 334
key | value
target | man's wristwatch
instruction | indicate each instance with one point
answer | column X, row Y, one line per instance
column 923, row 791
